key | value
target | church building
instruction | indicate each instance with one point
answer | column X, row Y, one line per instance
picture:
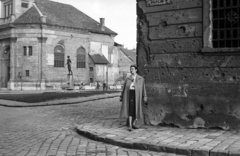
column 36, row 36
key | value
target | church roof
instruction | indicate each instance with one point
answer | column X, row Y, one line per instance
column 98, row 58
column 60, row 14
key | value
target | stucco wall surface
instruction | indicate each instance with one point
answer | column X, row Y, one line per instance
column 186, row 88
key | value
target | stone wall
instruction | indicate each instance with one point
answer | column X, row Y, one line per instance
column 186, row 87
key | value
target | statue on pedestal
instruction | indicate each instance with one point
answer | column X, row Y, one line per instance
column 69, row 62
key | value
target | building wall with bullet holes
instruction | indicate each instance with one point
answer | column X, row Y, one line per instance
column 188, row 52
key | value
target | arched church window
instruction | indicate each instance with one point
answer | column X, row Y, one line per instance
column 81, row 58
column 59, row 56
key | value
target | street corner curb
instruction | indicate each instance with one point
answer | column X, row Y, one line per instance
column 162, row 148
column 200, row 152
column 96, row 137
column 148, row 146
column 7, row 103
column 183, row 151
column 139, row 145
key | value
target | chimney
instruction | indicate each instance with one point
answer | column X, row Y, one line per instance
column 102, row 22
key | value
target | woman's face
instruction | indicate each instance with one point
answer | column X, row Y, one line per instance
column 133, row 70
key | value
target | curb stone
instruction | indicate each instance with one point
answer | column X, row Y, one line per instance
column 8, row 103
column 152, row 147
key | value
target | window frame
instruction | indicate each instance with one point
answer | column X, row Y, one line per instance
column 24, row 50
column 81, row 52
column 23, row 4
column 27, row 72
column 91, row 69
column 30, row 50
column 8, row 9
column 27, row 50
column 207, row 32
column 59, row 63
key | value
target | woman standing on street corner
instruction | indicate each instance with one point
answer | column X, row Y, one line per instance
column 132, row 97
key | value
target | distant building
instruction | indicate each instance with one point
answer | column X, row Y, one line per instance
column 36, row 36
column 126, row 58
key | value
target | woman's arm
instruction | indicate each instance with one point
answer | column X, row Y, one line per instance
column 144, row 92
column 124, row 86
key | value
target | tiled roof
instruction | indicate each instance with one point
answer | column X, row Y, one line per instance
column 130, row 54
column 31, row 16
column 98, row 59
column 62, row 15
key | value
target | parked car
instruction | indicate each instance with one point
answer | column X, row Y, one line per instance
column 114, row 86
column 89, row 86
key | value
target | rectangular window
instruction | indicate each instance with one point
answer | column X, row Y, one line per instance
column 8, row 10
column 221, row 26
column 27, row 51
column 91, row 80
column 24, row 50
column 27, row 73
column 24, row 4
column 226, row 24
column 91, row 68
column 30, row 50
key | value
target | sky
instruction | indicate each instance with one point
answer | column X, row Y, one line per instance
column 120, row 16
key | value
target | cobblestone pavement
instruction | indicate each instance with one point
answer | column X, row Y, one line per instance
column 42, row 131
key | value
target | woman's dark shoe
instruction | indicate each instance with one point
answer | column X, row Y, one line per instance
column 130, row 129
column 135, row 127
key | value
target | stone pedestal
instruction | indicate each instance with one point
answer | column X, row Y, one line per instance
column 70, row 83
column 11, row 85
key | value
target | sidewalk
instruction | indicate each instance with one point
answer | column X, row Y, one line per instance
column 8, row 103
column 194, row 142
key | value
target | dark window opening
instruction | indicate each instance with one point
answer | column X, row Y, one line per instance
column 8, row 10
column 25, row 51
column 27, row 73
column 59, row 60
column 30, row 50
column 59, row 56
column 91, row 68
column 226, row 23
column 81, row 58
column 91, row 80
column 24, row 5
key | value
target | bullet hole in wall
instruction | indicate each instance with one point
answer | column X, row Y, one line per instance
column 211, row 111
column 189, row 117
column 223, row 74
column 164, row 23
column 182, row 29
column 201, row 107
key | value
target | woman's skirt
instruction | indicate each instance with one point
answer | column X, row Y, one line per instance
column 132, row 108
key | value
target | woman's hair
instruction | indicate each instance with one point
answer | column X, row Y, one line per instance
column 134, row 66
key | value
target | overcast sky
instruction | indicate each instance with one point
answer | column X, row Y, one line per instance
column 120, row 16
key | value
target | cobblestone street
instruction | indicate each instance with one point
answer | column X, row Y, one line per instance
column 50, row 130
